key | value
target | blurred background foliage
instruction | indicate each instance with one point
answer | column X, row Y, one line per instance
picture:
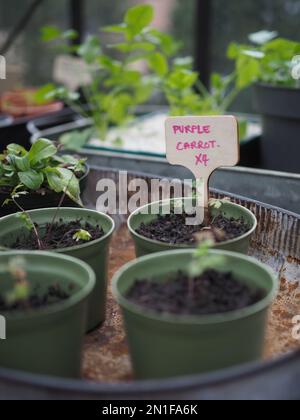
column 31, row 61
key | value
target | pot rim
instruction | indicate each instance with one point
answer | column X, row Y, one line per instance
column 182, row 246
column 276, row 87
column 71, row 209
column 192, row 319
column 56, row 308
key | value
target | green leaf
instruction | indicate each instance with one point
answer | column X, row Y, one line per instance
column 63, row 180
column 165, row 42
column 233, row 51
column 108, row 63
column 182, row 79
column 216, row 81
column 248, row 71
column 70, row 35
column 54, row 179
column 115, row 28
column 127, row 48
column 144, row 92
column 53, row 33
column 82, row 235
column 45, row 94
column 243, row 128
column 75, row 140
column 40, row 150
column 137, row 18
column 90, row 50
column 50, row 33
column 22, row 163
column 117, row 107
column 31, row 179
column 26, row 220
column 16, row 149
column 158, row 63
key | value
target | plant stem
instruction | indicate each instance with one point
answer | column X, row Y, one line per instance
column 36, row 233
column 230, row 98
column 60, row 204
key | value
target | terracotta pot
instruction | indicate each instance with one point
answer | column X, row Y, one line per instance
column 20, row 103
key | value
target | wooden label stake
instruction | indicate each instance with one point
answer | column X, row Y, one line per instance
column 203, row 144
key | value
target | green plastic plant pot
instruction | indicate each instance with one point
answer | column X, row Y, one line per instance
column 94, row 253
column 49, row 340
column 145, row 246
column 164, row 345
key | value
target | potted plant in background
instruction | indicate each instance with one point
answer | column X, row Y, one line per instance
column 36, row 178
column 272, row 64
column 121, row 79
column 28, row 103
column 231, row 226
column 76, row 232
column 117, row 89
column 43, row 298
column 188, row 313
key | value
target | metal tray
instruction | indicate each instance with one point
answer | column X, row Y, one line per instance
column 106, row 365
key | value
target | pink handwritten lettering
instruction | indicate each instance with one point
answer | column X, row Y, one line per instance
column 202, row 159
column 196, row 145
column 191, row 129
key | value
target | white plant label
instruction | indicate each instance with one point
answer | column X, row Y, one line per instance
column 73, row 72
column 203, row 144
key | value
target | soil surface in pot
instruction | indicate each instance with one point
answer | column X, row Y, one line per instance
column 211, row 293
column 172, row 229
column 54, row 295
column 60, row 235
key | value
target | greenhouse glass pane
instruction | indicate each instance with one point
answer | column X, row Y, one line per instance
column 239, row 18
column 29, row 60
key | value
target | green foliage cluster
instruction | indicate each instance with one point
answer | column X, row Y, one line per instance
column 117, row 87
column 268, row 59
column 41, row 167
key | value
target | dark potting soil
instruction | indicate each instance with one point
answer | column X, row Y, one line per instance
column 61, row 236
column 54, row 295
column 172, row 229
column 211, row 293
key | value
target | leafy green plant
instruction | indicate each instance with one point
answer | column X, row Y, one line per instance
column 27, row 220
column 20, row 289
column 23, row 171
column 187, row 96
column 267, row 59
column 117, row 86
